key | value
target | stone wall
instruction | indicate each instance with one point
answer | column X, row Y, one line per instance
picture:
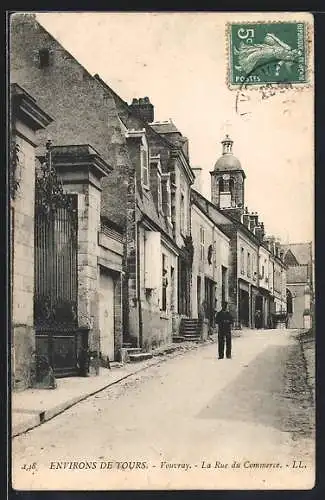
column 83, row 111
column 23, row 337
column 296, row 320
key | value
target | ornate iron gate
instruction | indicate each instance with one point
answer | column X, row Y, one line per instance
column 56, row 287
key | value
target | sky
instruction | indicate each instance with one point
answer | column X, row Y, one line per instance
column 180, row 61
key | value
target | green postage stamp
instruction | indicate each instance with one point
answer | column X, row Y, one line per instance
column 262, row 53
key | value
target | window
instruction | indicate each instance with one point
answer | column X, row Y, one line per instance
column 210, row 254
column 182, row 213
column 254, row 267
column 231, row 186
column 184, row 282
column 277, row 281
column 144, row 167
column 164, row 283
column 152, row 259
column 248, row 264
column 242, row 261
column 159, row 193
column 166, row 195
column 227, row 147
column 289, row 302
column 202, row 236
column 221, row 186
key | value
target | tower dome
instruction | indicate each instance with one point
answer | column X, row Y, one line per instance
column 227, row 162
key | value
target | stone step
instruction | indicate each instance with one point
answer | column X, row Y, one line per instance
column 114, row 364
column 186, row 331
column 165, row 349
column 178, row 338
column 133, row 350
column 191, row 337
column 140, row 356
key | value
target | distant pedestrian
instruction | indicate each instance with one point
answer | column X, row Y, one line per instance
column 258, row 319
column 224, row 320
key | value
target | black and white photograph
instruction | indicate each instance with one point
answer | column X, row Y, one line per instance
column 162, row 283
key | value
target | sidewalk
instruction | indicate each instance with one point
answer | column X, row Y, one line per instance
column 308, row 346
column 32, row 407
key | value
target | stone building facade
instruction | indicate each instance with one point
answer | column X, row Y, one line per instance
column 300, row 284
column 149, row 249
column 211, row 266
column 158, row 224
column 87, row 143
column 27, row 117
column 132, row 180
column 251, row 297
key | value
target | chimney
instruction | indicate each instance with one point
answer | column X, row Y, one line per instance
column 272, row 244
column 198, row 179
column 268, row 243
column 246, row 217
column 259, row 231
column 253, row 221
column 277, row 248
column 143, row 109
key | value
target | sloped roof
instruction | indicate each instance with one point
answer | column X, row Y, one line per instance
column 290, row 259
column 301, row 251
column 223, row 221
column 165, row 127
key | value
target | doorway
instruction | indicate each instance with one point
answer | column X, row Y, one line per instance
column 258, row 315
column 209, row 299
column 106, row 314
column 198, row 295
column 244, row 307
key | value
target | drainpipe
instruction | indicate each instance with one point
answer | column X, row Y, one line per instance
column 215, row 276
column 140, row 338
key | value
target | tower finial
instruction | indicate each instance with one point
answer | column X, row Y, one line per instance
column 227, row 145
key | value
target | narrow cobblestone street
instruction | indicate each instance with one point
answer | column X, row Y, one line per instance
column 183, row 423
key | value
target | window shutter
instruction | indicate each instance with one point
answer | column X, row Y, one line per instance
column 153, row 265
column 144, row 167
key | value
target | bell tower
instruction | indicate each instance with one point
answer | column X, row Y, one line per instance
column 227, row 181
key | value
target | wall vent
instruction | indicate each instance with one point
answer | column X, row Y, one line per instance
column 44, row 58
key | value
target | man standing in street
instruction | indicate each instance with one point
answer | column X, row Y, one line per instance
column 224, row 321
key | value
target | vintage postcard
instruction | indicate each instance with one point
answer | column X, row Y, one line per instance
column 162, row 257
